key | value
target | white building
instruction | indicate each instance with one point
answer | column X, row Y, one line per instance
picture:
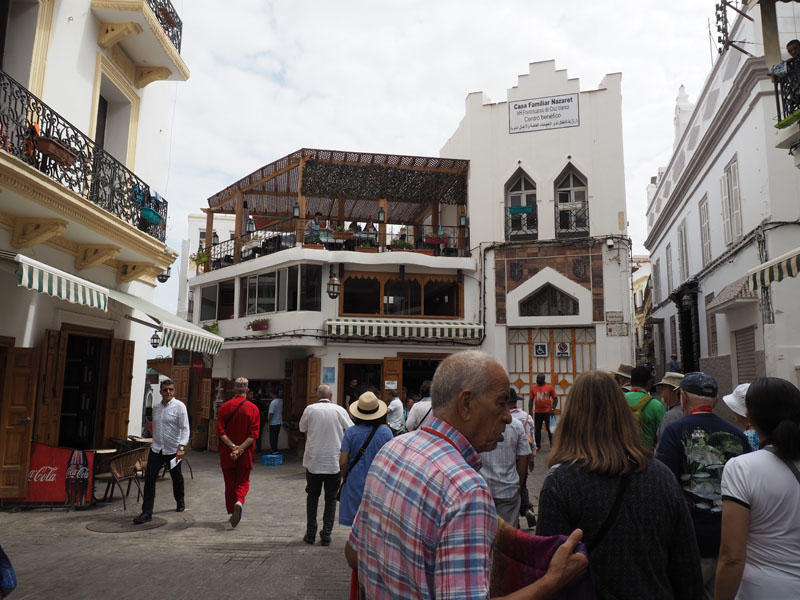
column 547, row 209
column 84, row 133
column 725, row 205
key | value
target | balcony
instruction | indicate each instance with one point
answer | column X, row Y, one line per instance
column 37, row 135
column 148, row 33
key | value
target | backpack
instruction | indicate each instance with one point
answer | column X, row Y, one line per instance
column 638, row 408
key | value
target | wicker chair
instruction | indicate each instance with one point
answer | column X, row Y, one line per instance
column 125, row 467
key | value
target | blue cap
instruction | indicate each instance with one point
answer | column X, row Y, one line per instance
column 700, row 384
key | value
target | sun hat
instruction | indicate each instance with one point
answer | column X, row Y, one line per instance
column 700, row 384
column 368, row 407
column 735, row 400
column 672, row 379
column 624, row 370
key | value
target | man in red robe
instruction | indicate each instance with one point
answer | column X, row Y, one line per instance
column 238, row 422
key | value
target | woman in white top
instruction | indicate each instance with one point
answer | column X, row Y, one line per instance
column 759, row 553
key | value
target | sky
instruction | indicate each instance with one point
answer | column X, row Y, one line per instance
column 268, row 78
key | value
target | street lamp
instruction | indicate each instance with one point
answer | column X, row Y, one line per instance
column 334, row 285
column 251, row 226
column 381, row 216
column 164, row 275
column 214, row 238
column 155, row 340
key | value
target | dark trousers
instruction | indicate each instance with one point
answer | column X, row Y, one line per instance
column 525, row 497
column 538, row 419
column 155, row 461
column 314, row 485
column 274, row 432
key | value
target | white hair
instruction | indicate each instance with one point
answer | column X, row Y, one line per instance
column 466, row 370
column 324, row 391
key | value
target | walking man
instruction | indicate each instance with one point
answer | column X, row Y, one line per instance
column 542, row 403
column 275, row 420
column 170, row 436
column 324, row 424
column 647, row 410
column 525, row 507
column 238, row 422
column 669, row 387
column 422, row 409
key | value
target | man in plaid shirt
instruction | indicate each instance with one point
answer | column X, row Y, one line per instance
column 427, row 520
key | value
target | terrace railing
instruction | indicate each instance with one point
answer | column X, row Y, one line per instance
column 169, row 19
column 276, row 236
column 787, row 92
column 36, row 134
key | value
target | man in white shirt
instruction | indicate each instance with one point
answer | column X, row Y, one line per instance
column 170, row 436
column 421, row 411
column 394, row 417
column 324, row 423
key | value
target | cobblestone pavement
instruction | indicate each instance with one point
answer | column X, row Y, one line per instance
column 196, row 554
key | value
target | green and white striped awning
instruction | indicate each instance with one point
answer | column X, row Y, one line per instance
column 45, row 279
column 177, row 333
column 456, row 331
column 777, row 269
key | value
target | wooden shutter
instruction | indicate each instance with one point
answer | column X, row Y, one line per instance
column 298, row 401
column 735, row 202
column 180, row 376
column 392, row 371
column 16, row 420
column 118, row 389
column 53, row 357
column 313, row 378
column 726, row 210
column 204, row 399
column 745, row 340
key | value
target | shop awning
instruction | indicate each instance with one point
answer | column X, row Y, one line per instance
column 455, row 331
column 177, row 333
column 787, row 265
column 45, row 279
column 732, row 295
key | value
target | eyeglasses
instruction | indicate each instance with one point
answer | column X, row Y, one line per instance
column 169, row 390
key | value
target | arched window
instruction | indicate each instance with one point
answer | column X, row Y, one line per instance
column 548, row 301
column 572, row 205
column 521, row 217
column 402, row 297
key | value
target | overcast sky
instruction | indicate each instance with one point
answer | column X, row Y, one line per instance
column 268, row 78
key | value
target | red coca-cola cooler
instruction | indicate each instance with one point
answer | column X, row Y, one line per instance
column 60, row 476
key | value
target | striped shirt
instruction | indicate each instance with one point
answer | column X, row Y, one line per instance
column 427, row 520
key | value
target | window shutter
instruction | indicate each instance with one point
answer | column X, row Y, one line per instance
column 735, row 204
column 726, row 215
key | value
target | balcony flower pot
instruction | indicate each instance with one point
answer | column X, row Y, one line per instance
column 151, row 217
column 55, row 150
column 212, row 327
column 427, row 251
column 436, row 239
column 372, row 249
column 258, row 325
column 343, row 235
column 314, row 246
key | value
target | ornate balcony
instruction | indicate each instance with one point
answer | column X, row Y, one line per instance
column 169, row 19
column 787, row 94
column 36, row 134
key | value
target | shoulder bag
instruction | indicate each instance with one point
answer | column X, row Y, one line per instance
column 355, row 460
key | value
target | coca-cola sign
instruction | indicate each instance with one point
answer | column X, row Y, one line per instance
column 59, row 476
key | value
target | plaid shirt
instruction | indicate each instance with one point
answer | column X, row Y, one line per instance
column 427, row 521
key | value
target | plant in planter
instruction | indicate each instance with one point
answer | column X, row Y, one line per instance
column 212, row 327
column 258, row 325
column 398, row 244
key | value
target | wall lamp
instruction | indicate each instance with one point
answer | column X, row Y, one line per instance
column 155, row 340
column 462, row 220
column 381, row 215
column 251, row 226
column 164, row 275
column 334, row 285
column 296, row 211
column 214, row 238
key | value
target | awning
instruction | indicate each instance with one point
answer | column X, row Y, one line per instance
column 45, row 279
column 455, row 331
column 732, row 295
column 177, row 333
column 787, row 265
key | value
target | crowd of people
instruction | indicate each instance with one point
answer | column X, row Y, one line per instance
column 649, row 493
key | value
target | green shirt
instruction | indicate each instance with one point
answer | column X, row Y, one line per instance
column 651, row 415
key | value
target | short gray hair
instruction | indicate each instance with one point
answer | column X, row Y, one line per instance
column 460, row 371
column 240, row 383
column 324, row 391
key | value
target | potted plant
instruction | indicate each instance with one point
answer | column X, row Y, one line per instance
column 258, row 325
column 212, row 327
column 398, row 244
column 340, row 233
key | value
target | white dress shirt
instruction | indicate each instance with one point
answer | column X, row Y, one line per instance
column 394, row 418
column 170, row 426
column 325, row 423
column 419, row 414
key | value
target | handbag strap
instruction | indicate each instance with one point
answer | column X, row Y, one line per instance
column 360, row 453
column 612, row 514
column 787, row 462
column 235, row 410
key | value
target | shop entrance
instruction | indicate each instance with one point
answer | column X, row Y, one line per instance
column 417, row 370
column 79, row 401
column 366, row 372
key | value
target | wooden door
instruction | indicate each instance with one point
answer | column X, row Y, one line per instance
column 118, row 389
column 313, row 378
column 392, row 371
column 180, row 376
column 299, row 395
column 16, row 420
column 53, row 357
column 204, row 399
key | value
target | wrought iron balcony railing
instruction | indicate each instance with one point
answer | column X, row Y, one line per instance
column 787, row 92
column 169, row 19
column 39, row 136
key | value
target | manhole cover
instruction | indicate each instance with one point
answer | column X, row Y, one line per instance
column 123, row 524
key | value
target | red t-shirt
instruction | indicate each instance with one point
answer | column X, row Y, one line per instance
column 244, row 424
column 543, row 396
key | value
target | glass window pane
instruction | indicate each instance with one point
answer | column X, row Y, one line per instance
column 517, row 186
column 252, row 293
column 515, row 200
column 226, row 293
column 579, row 195
column 563, row 219
column 281, row 290
column 395, row 297
column 208, row 303
column 361, row 296
column 441, row 298
column 564, row 183
column 310, row 287
column 291, row 288
column 563, row 197
column 266, row 292
column 530, row 199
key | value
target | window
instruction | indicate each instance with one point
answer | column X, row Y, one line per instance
column 416, row 295
column 310, row 287
column 208, row 303
column 673, row 335
column 668, row 259
column 572, row 206
column 402, row 297
column 731, row 204
column 683, row 257
column 711, row 327
column 225, row 302
column 548, row 301
column 362, row 295
column 216, row 301
column 521, row 215
column 705, row 231
column 274, row 291
column 441, row 298
column 657, row 281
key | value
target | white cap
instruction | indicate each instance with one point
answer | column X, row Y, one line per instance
column 735, row 400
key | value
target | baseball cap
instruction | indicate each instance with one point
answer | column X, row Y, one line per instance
column 735, row 400
column 672, row 379
column 700, row 384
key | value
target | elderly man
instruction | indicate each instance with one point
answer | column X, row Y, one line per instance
column 324, row 423
column 669, row 388
column 238, row 422
column 427, row 520
column 695, row 448
column 170, row 436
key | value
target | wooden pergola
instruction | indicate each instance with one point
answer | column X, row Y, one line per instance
column 344, row 186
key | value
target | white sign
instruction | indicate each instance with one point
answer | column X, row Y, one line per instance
column 536, row 114
column 613, row 316
column 540, row 350
column 562, row 350
column 390, row 384
column 617, row 329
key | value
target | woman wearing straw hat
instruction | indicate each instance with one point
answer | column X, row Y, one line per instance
column 359, row 446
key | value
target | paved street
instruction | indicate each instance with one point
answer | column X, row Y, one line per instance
column 195, row 555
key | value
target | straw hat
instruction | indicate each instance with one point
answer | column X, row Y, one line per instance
column 624, row 370
column 735, row 400
column 672, row 379
column 368, row 407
